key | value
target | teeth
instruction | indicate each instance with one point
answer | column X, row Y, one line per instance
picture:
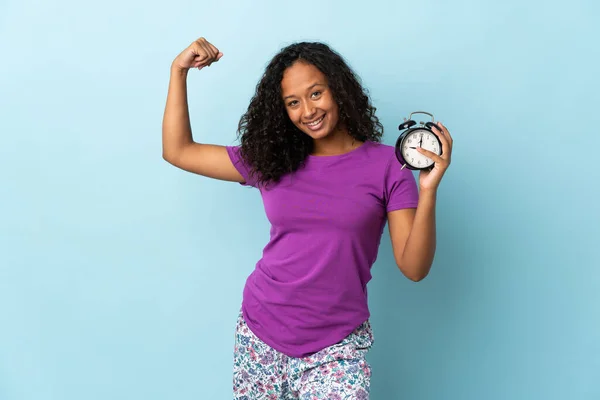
column 316, row 122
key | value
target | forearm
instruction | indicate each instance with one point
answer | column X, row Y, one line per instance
column 419, row 250
column 176, row 128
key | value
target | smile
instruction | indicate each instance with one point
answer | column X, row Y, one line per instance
column 314, row 123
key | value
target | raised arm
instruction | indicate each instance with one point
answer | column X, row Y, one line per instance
column 179, row 147
column 413, row 233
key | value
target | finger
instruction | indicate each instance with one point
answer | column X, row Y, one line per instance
column 215, row 51
column 214, row 54
column 203, row 45
column 201, row 41
column 446, row 144
column 197, row 45
column 206, row 50
column 200, row 60
column 437, row 159
column 209, row 48
column 199, row 52
column 437, row 128
column 446, row 131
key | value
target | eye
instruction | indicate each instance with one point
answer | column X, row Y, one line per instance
column 316, row 94
column 292, row 103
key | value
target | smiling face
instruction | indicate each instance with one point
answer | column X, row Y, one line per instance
column 309, row 101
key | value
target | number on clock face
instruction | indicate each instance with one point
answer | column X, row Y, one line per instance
column 424, row 139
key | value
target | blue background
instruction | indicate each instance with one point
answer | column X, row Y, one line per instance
column 121, row 276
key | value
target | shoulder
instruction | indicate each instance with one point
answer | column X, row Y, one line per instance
column 379, row 160
column 384, row 157
column 380, row 153
column 243, row 167
column 377, row 148
column 399, row 184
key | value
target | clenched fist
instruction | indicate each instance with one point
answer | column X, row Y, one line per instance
column 199, row 54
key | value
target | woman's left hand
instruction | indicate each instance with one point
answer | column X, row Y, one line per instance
column 429, row 180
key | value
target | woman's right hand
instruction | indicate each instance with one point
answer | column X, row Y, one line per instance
column 199, row 54
column 179, row 147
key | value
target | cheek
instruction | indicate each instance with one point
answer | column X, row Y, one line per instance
column 334, row 112
column 331, row 106
column 292, row 115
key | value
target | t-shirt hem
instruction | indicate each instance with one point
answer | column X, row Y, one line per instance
column 281, row 349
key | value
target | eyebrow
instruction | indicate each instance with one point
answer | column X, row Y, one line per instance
column 309, row 88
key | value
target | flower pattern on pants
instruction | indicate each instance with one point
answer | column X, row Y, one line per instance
column 338, row 372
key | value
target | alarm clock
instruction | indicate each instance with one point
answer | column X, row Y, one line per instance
column 417, row 135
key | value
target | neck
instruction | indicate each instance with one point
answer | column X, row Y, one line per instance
column 338, row 142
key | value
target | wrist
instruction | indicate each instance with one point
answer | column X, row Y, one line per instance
column 178, row 71
column 428, row 194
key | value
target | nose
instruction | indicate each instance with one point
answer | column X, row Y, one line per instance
column 309, row 111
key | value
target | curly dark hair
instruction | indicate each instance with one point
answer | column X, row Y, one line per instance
column 270, row 143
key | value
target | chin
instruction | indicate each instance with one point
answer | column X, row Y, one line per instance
column 319, row 135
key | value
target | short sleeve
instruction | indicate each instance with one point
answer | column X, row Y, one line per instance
column 241, row 165
column 400, row 187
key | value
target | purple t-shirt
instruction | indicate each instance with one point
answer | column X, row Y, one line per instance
column 309, row 289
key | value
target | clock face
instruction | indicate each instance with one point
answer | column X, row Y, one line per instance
column 420, row 138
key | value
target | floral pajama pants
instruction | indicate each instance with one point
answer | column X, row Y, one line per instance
column 338, row 372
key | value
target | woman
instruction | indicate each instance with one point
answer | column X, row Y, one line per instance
column 310, row 143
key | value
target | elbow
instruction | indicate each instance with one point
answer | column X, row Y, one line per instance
column 417, row 277
column 173, row 153
column 168, row 156
column 416, row 274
